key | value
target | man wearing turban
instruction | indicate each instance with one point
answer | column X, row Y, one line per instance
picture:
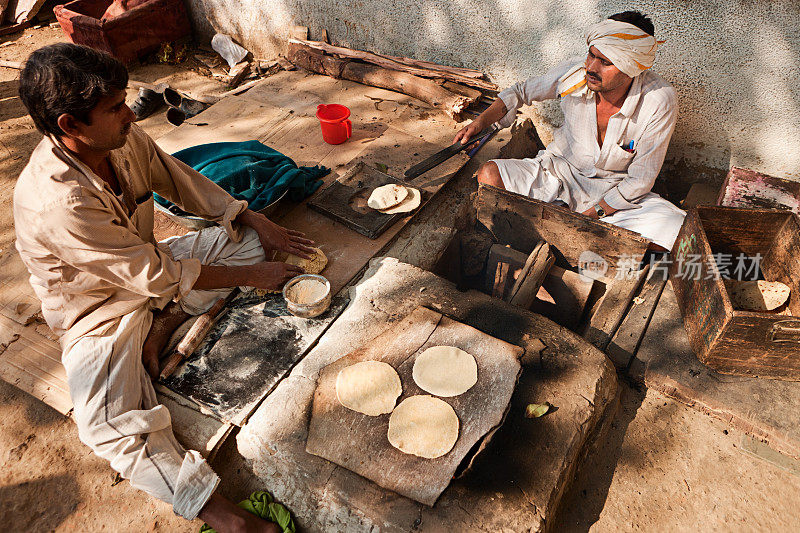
column 618, row 120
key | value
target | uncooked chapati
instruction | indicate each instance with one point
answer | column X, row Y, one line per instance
column 445, row 371
column 423, row 426
column 369, row 387
column 410, row 203
column 387, row 196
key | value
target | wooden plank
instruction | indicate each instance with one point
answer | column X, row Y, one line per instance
column 32, row 363
column 612, row 307
column 569, row 292
column 531, row 276
column 626, row 340
column 385, row 62
column 747, row 188
column 522, row 222
column 358, row 442
column 23, row 10
column 422, row 89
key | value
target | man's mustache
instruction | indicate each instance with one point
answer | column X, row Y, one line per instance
column 594, row 75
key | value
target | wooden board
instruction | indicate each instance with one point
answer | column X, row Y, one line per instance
column 358, row 442
column 522, row 222
column 345, row 200
column 611, row 308
column 252, row 347
column 626, row 339
column 747, row 188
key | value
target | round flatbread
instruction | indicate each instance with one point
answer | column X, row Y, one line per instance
column 423, row 426
column 387, row 196
column 369, row 387
column 758, row 295
column 410, row 203
column 445, row 371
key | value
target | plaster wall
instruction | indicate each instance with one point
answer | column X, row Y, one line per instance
column 735, row 65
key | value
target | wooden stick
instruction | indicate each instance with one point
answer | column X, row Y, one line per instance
column 19, row 65
column 394, row 65
column 195, row 336
column 402, row 82
column 532, row 275
column 468, row 72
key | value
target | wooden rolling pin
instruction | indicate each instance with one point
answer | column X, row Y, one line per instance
column 195, row 335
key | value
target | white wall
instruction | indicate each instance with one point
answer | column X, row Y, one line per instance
column 734, row 64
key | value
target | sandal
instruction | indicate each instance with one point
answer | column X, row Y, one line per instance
column 146, row 103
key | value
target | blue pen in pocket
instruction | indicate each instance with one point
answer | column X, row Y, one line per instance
column 628, row 147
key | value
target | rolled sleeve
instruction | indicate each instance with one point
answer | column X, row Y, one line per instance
column 191, row 191
column 615, row 199
column 535, row 89
column 85, row 234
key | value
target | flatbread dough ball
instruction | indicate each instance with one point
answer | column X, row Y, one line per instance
column 387, row 196
column 758, row 295
column 445, row 371
column 368, row 387
column 410, row 203
column 315, row 265
column 423, row 426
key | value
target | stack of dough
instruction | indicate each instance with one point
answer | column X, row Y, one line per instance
column 757, row 295
column 393, row 198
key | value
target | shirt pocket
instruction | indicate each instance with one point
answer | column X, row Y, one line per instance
column 618, row 159
column 142, row 218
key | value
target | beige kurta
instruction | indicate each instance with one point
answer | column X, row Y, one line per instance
column 585, row 170
column 91, row 254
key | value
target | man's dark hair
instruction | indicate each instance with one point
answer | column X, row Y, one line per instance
column 637, row 19
column 67, row 78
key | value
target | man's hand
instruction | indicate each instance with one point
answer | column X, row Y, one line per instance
column 272, row 275
column 468, row 132
column 275, row 237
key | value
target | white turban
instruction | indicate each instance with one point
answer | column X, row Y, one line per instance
column 629, row 48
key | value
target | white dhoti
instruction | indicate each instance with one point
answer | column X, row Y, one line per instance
column 656, row 219
column 115, row 405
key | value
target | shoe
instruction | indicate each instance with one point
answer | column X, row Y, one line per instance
column 147, row 102
column 181, row 107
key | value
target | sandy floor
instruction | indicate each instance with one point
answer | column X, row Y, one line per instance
column 660, row 465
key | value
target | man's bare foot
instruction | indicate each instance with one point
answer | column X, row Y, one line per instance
column 164, row 325
column 225, row 517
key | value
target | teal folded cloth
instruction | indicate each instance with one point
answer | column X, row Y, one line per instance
column 262, row 504
column 250, row 171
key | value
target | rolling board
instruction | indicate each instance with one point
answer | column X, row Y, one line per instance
column 345, row 200
column 359, row 442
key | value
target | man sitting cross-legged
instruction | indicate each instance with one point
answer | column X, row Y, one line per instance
column 83, row 211
column 618, row 120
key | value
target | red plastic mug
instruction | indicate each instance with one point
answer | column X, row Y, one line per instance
column 336, row 129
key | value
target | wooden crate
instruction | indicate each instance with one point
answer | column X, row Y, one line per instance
column 732, row 341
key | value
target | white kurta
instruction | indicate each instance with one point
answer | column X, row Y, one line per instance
column 575, row 169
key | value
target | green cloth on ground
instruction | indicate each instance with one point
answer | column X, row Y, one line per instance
column 262, row 504
column 250, row 171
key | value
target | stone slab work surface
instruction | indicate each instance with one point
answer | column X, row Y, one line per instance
column 515, row 484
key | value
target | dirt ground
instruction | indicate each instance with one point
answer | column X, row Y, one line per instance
column 659, row 466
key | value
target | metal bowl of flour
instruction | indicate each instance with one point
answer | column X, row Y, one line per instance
column 307, row 295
